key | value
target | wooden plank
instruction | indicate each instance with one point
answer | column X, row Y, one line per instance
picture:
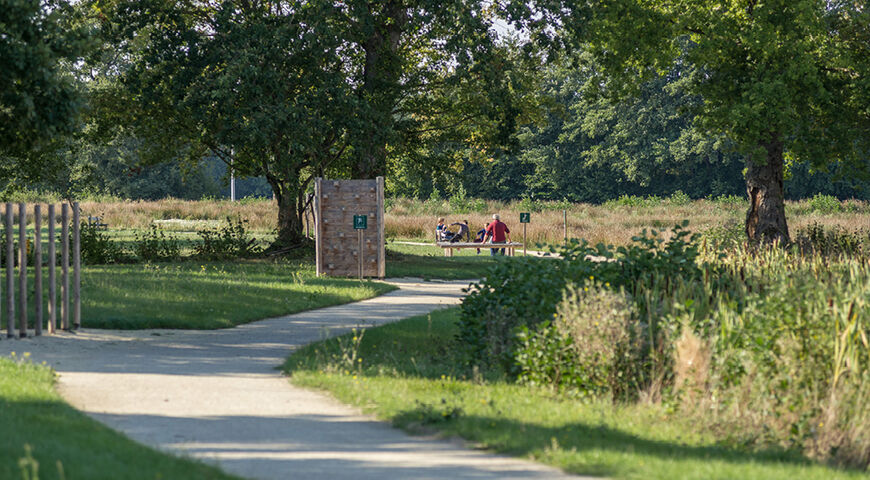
column 77, row 267
column 37, row 269
column 64, row 266
column 22, row 270
column 10, row 272
column 52, row 261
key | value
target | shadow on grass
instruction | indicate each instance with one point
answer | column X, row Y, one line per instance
column 524, row 439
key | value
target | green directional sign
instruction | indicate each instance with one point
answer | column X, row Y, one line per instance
column 360, row 222
column 525, row 217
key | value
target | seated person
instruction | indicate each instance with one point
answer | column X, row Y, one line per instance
column 480, row 235
column 461, row 231
column 441, row 232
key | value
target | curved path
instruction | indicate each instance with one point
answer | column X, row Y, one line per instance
column 217, row 396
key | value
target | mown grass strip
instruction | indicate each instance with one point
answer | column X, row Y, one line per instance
column 208, row 295
column 409, row 375
column 66, row 444
column 405, row 260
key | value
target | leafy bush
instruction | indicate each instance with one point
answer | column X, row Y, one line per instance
column 728, row 200
column 96, row 247
column 154, row 245
column 679, row 198
column 825, row 204
column 232, row 240
column 591, row 347
column 524, row 292
column 726, row 236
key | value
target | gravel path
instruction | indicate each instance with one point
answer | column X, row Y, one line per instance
column 217, row 396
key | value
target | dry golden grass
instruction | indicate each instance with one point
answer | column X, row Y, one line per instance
column 607, row 224
column 414, row 219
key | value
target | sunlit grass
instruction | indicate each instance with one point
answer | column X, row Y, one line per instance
column 200, row 295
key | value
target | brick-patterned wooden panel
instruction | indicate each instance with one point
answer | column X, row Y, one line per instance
column 338, row 245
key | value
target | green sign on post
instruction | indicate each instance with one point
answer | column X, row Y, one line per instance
column 360, row 222
column 525, row 217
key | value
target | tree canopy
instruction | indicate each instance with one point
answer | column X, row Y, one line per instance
column 782, row 79
column 39, row 100
column 290, row 90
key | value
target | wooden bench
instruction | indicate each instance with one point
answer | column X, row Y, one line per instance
column 448, row 246
column 97, row 223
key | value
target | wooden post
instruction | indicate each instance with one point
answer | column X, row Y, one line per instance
column 382, row 241
column 565, row 224
column 64, row 267
column 22, row 270
column 52, row 263
column 318, row 224
column 524, row 239
column 360, row 253
column 10, row 273
column 37, row 269
column 77, row 267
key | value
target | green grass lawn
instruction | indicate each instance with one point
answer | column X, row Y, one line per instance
column 193, row 294
column 408, row 376
column 62, row 439
column 201, row 295
column 430, row 262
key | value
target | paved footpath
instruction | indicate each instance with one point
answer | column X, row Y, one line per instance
column 217, row 396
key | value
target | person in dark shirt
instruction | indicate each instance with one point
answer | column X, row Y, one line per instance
column 461, row 231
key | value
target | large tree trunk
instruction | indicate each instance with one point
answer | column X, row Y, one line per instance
column 380, row 89
column 291, row 203
column 765, row 220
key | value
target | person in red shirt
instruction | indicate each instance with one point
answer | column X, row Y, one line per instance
column 498, row 232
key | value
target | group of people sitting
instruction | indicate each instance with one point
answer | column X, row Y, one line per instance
column 495, row 231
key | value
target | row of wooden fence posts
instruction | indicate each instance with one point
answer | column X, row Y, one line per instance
column 37, row 273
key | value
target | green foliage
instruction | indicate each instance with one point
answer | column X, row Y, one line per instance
column 590, row 348
column 822, row 203
column 232, row 240
column 39, row 98
column 523, row 292
column 97, row 247
column 155, row 245
column 634, row 201
column 679, row 198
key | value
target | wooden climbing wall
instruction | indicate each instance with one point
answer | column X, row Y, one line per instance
column 335, row 204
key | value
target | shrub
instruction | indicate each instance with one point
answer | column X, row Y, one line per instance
column 155, row 245
column 232, row 240
column 825, row 204
column 679, row 198
column 96, row 247
column 591, row 347
column 524, row 292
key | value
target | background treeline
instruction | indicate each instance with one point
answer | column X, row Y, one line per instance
column 581, row 148
column 589, row 149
